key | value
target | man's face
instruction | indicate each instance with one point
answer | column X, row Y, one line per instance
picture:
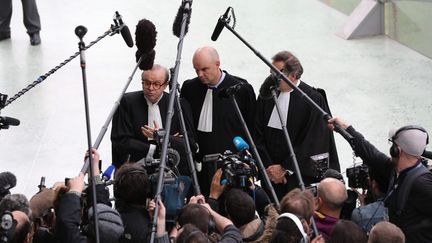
column 153, row 83
column 283, row 86
column 207, row 70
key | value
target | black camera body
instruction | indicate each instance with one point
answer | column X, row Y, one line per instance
column 237, row 171
column 319, row 164
column 358, row 176
column 7, row 227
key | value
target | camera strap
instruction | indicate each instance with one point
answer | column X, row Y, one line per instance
column 405, row 187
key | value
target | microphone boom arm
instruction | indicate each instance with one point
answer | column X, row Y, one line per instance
column 113, row 30
column 304, row 96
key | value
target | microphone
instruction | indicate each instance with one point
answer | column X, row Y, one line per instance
column 124, row 30
column 145, row 39
column 106, row 176
column 220, row 24
column 242, row 146
column 227, row 92
column 8, row 121
column 80, row 31
column 173, row 157
column 7, row 182
column 266, row 87
column 427, row 154
column 177, row 24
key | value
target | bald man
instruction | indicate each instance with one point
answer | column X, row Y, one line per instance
column 215, row 120
column 329, row 202
column 140, row 114
column 23, row 228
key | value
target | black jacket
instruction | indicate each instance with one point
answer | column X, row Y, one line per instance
column 68, row 215
column 415, row 220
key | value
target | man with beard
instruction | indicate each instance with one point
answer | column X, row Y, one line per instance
column 410, row 191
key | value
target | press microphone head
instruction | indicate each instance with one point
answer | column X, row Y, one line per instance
column 80, row 31
column 7, row 182
column 427, row 154
column 9, row 121
column 106, row 176
column 177, row 24
column 240, row 144
column 148, row 59
column 145, row 39
column 127, row 36
column 265, row 89
column 173, row 157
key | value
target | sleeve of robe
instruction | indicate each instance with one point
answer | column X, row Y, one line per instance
column 122, row 134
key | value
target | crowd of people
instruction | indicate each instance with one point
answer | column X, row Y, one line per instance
column 396, row 208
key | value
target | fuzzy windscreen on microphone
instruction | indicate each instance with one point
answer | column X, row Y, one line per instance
column 265, row 89
column 177, row 24
column 145, row 39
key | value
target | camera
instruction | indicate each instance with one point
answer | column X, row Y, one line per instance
column 7, row 227
column 313, row 188
column 237, row 171
column 320, row 164
column 358, row 176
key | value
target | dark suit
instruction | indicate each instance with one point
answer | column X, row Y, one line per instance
column 132, row 114
column 308, row 133
column 226, row 124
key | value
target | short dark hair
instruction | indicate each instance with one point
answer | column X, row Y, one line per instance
column 14, row 202
column 300, row 203
column 286, row 231
column 195, row 214
column 380, row 177
column 132, row 184
column 292, row 63
column 240, row 207
column 191, row 234
column 346, row 231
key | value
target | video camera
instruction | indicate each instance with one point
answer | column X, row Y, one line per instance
column 358, row 176
column 175, row 187
column 237, row 171
column 7, row 227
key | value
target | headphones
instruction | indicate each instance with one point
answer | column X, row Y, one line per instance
column 394, row 149
column 298, row 223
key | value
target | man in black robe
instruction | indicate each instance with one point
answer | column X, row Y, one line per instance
column 215, row 120
column 140, row 114
column 310, row 137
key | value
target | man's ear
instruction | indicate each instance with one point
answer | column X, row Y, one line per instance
column 218, row 63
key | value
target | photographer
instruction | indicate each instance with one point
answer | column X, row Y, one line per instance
column 410, row 192
column 366, row 216
column 218, row 191
column 69, row 211
column 229, row 233
column 132, row 190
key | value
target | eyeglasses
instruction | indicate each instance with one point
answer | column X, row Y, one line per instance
column 156, row 85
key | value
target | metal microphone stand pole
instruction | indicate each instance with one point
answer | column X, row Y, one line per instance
column 189, row 157
column 113, row 30
column 291, row 151
column 175, row 91
column 111, row 114
column 80, row 31
column 254, row 150
column 170, row 113
column 280, row 75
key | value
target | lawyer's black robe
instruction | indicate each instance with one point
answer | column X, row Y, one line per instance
column 126, row 135
column 226, row 124
column 308, row 133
